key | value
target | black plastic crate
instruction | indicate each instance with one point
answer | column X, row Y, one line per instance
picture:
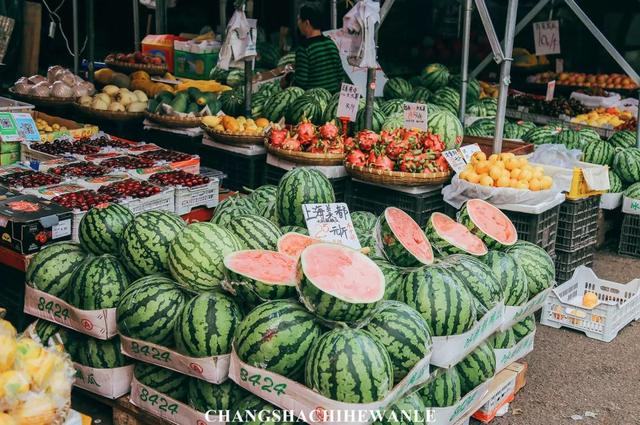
column 568, row 262
column 630, row 236
column 174, row 141
column 577, row 224
column 273, row 175
column 241, row 170
column 366, row 197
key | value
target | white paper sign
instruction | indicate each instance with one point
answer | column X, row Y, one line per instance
column 415, row 116
column 331, row 223
column 62, row 229
column 547, row 37
column 551, row 88
column 468, row 151
column 559, row 65
column 455, row 160
column 348, row 102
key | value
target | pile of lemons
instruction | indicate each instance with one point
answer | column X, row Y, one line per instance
column 505, row 170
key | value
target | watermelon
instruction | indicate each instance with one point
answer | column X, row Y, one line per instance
column 588, row 135
column 397, row 88
column 443, row 390
column 479, row 109
column 393, row 278
column 231, row 207
column 510, row 275
column 434, row 76
column 479, row 280
column 97, row 283
column 420, row 95
column 572, row 139
column 322, row 94
column 349, row 365
column 633, row 191
column 206, row 325
column 478, row 367
column 301, row 186
column 524, row 327
column 440, row 296
column 258, row 275
column 517, row 129
column 47, row 330
column 293, row 229
column 270, row 212
column 599, row 152
column 626, row 163
column 263, row 195
column 448, row 99
column 446, row 125
column 232, row 101
column 473, row 87
column 537, row 265
column 449, row 237
column 306, row 107
column 145, row 242
column 401, row 240
column 541, row 135
column 277, row 336
column 235, row 77
column 256, row 411
column 393, row 121
column 268, row 55
column 331, row 112
column 218, row 74
column 101, row 228
column 276, row 106
column 288, row 59
column 483, row 127
column 377, row 120
column 255, row 232
column 404, row 334
column 97, row 353
column 503, row 340
column 149, row 309
column 196, row 255
column 204, row 396
column 615, row 182
column 623, row 139
column 363, row 220
column 392, row 106
column 488, row 223
column 339, row 284
column 50, row 269
column 257, row 104
column 163, row 380
column 293, row 243
column 409, row 410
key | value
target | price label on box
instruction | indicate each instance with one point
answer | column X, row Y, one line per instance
column 546, row 37
column 415, row 116
column 26, row 126
column 348, row 102
column 455, row 160
column 8, row 128
column 551, row 88
column 468, row 151
column 331, row 223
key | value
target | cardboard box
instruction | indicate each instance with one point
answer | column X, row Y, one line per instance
column 501, row 392
column 29, row 223
column 161, row 45
column 9, row 147
column 521, row 369
column 74, row 129
column 195, row 60
column 9, row 158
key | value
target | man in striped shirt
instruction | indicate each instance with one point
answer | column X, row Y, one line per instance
column 318, row 62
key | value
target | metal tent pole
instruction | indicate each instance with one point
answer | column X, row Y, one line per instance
column 248, row 79
column 91, row 41
column 371, row 86
column 136, row 26
column 76, row 50
column 466, row 35
column 223, row 15
column 505, row 74
column 161, row 16
column 334, row 14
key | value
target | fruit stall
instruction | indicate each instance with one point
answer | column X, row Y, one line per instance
column 179, row 240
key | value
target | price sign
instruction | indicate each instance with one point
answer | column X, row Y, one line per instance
column 348, row 102
column 546, row 37
column 468, row 151
column 551, row 88
column 8, row 128
column 331, row 223
column 26, row 126
column 455, row 160
column 415, row 116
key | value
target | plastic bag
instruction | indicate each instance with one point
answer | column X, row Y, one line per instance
column 556, row 155
column 361, row 20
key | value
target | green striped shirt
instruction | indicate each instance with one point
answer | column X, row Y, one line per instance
column 318, row 65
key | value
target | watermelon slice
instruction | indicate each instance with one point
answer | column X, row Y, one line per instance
column 401, row 239
column 488, row 223
column 450, row 237
column 258, row 275
column 339, row 284
column 292, row 244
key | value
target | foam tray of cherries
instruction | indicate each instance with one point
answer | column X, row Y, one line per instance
column 80, row 169
column 128, row 162
column 179, row 178
column 130, row 189
column 166, row 155
column 82, row 200
column 107, row 142
column 62, row 147
column 29, row 179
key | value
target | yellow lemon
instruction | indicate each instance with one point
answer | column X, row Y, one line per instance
column 512, row 164
column 523, row 185
column 507, row 155
column 494, row 157
column 482, row 167
column 478, row 156
column 473, row 177
column 522, row 161
column 513, row 183
column 495, row 172
column 525, row 175
column 515, row 173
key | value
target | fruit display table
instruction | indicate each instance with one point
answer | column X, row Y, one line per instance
column 186, row 140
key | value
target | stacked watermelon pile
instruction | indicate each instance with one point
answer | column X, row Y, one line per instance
column 485, row 127
column 622, row 156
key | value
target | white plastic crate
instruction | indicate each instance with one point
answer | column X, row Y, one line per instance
column 188, row 198
column 618, row 305
column 163, row 201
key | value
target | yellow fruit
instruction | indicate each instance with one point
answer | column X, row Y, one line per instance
column 589, row 299
column 8, row 347
column 538, row 174
column 494, row 157
column 473, row 177
column 7, row 329
column 511, row 164
column 211, row 120
column 500, row 164
column 523, row 185
column 13, row 383
column 503, row 181
column 523, row 162
column 495, row 172
column 27, row 349
column 506, row 173
column 513, row 183
column 478, row 156
column 507, row 155
column 534, row 184
column 262, row 122
column 486, row 181
column 546, row 182
column 482, row 167
column 515, row 173
column 6, row 419
column 525, row 175
column 36, row 410
column 463, row 175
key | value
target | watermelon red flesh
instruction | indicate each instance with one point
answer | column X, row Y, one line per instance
column 263, row 266
column 409, row 233
column 491, row 221
column 457, row 235
column 292, row 244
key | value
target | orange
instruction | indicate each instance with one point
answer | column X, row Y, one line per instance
column 503, row 181
column 523, row 162
column 472, row 177
column 495, row 172
column 507, row 155
column 589, row 299
column 515, row 173
column 482, row 167
column 537, row 173
column 535, row 185
column 262, row 122
column 546, row 182
column 486, row 181
column 499, row 164
column 463, row 175
column 478, row 156
column 506, row 173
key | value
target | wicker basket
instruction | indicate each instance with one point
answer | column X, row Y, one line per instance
column 126, row 67
column 397, row 178
column 109, row 115
column 306, row 158
column 233, row 139
column 174, row 121
column 43, row 101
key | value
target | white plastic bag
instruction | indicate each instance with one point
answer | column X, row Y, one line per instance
column 239, row 44
column 361, row 21
column 556, row 155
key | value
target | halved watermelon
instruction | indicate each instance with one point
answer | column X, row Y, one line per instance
column 488, row 223
column 450, row 237
column 401, row 239
column 258, row 275
column 292, row 244
column 339, row 283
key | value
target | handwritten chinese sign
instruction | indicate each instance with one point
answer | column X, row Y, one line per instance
column 331, row 223
column 415, row 116
column 546, row 37
column 348, row 102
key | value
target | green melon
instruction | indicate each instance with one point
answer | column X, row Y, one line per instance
column 98, row 283
column 537, row 265
column 50, row 269
column 301, row 186
column 443, row 390
column 101, row 228
column 478, row 367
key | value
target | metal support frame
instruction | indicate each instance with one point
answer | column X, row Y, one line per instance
column 384, row 9
column 248, row 76
column 223, row 16
column 136, row 26
column 371, row 84
column 91, row 39
column 498, row 54
column 76, row 50
column 466, row 35
column 334, row 14
column 161, row 16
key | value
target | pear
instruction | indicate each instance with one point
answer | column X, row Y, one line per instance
column 85, row 100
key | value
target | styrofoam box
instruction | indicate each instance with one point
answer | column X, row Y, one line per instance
column 462, row 410
column 162, row 201
column 75, row 224
column 515, row 314
column 109, row 383
column 188, row 198
column 630, row 206
column 504, row 357
column 610, row 201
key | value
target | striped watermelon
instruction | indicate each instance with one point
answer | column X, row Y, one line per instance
column 443, row 390
column 623, row 139
column 404, row 333
column 484, row 127
column 510, row 275
column 633, row 191
column 434, row 76
column 306, row 107
column 589, row 135
column 277, row 335
column 401, row 240
column 615, row 182
column 319, row 93
column 524, row 327
column 98, row 283
column 97, row 353
column 537, row 265
column 50, row 269
column 377, row 121
column 218, row 74
column 196, row 256
column 301, row 186
column 268, row 55
column 263, row 195
column 363, row 220
column 47, row 330
column 204, row 396
column 421, row 95
column 258, row 275
column 449, row 237
column 392, row 106
column 264, row 413
column 206, row 325
column 541, row 135
column 599, row 152
column 441, row 298
column 163, row 380
column 479, row 280
column 257, row 104
column 571, row 139
column 393, row 278
column 275, row 108
column 149, row 309
column 331, row 111
column 349, row 365
column 255, row 232
column 517, row 129
column 393, row 121
column 626, row 163
column 447, row 126
column 101, row 228
column 488, row 223
column 237, row 204
column 503, row 340
column 448, row 99
column 294, row 229
column 478, row 367
column 473, row 87
column 145, row 242
column 397, row 88
column 270, row 212
column 232, row 101
column 288, row 59
column 339, row 284
column 409, row 410
column 235, row 78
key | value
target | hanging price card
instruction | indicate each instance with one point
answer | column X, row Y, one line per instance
column 331, row 223
column 415, row 116
column 546, row 37
column 455, row 160
column 348, row 102
column 551, row 88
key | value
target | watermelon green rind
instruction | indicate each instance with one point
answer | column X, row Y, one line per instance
column 446, row 125
column 409, row 410
column 537, row 265
column 615, row 182
column 163, row 380
column 443, row 390
column 478, row 279
column 393, row 278
column 626, row 163
column 599, row 152
column 524, row 328
column 446, row 245
column 98, row 283
column 478, row 367
column 622, row 139
column 510, row 275
column 50, row 270
column 394, row 248
column 503, row 340
column 434, row 76
column 96, row 353
column 465, row 218
column 301, row 186
column 633, row 191
column 101, row 228
column 204, row 396
column 397, row 88
column 255, row 232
